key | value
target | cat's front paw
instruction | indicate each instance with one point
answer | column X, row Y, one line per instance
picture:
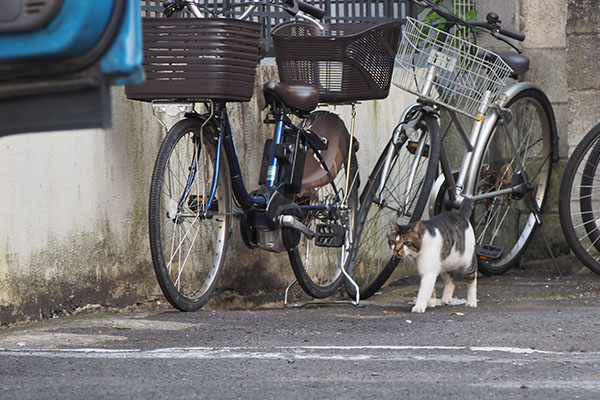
column 472, row 303
column 418, row 309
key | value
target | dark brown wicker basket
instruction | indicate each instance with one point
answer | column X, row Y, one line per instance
column 347, row 62
column 198, row 59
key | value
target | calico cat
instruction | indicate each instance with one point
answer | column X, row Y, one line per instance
column 439, row 246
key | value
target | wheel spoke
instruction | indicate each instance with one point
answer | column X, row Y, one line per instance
column 524, row 146
column 188, row 247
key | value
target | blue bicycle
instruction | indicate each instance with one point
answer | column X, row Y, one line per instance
column 307, row 200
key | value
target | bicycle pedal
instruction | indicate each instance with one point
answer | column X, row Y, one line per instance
column 329, row 235
column 488, row 252
column 198, row 203
column 413, row 145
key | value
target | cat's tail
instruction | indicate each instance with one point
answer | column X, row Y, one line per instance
column 466, row 208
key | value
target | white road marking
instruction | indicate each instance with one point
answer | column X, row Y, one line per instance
column 449, row 354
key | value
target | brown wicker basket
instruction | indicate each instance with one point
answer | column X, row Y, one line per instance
column 347, row 62
column 198, row 59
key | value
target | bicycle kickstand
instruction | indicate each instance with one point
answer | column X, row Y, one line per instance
column 533, row 206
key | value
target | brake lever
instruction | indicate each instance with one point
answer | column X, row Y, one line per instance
column 291, row 9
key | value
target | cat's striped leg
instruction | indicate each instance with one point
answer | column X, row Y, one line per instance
column 449, row 286
column 471, row 278
column 425, row 291
column 472, row 292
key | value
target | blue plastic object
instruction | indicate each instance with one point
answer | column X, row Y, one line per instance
column 62, row 66
column 76, row 28
column 125, row 56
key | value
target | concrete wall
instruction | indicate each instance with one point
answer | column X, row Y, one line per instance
column 73, row 217
column 583, row 55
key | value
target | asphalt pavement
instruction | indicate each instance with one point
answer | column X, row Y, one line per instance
column 531, row 336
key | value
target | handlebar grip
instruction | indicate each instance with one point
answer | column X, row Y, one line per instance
column 520, row 36
column 311, row 10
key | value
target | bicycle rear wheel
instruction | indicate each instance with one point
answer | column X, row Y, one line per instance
column 371, row 262
column 318, row 268
column 579, row 201
column 505, row 224
column 188, row 245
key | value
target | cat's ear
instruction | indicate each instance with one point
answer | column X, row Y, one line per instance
column 418, row 228
column 394, row 227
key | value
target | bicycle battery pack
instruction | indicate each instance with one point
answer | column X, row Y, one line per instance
column 291, row 155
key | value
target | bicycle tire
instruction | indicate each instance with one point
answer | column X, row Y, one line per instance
column 578, row 218
column 372, row 263
column 498, row 221
column 318, row 269
column 188, row 250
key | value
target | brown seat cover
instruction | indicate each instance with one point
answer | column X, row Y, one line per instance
column 331, row 127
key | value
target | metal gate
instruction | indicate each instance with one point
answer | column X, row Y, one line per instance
column 336, row 11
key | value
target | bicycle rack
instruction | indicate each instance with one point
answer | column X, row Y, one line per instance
column 168, row 113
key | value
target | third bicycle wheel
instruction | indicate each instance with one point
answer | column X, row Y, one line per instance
column 579, row 201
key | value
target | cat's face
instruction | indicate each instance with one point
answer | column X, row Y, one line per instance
column 405, row 240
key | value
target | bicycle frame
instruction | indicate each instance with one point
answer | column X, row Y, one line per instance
column 482, row 130
column 247, row 201
column 475, row 146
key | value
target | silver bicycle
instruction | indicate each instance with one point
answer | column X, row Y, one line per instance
column 507, row 158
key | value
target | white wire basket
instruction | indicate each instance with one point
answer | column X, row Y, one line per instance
column 464, row 77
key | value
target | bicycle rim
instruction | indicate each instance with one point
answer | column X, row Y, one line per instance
column 318, row 269
column 579, row 201
column 188, row 249
column 372, row 262
column 505, row 224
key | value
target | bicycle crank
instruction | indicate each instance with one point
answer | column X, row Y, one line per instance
column 327, row 235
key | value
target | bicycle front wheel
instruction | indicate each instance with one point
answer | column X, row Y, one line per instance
column 317, row 265
column 579, row 201
column 519, row 152
column 188, row 242
column 401, row 196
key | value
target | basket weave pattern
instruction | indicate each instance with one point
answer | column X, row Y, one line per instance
column 198, row 59
column 346, row 62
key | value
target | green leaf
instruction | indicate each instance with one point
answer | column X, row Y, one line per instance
column 471, row 15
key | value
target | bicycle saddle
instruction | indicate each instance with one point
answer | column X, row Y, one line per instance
column 300, row 97
column 518, row 62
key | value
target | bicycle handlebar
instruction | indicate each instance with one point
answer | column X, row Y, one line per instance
column 291, row 6
column 311, row 10
column 520, row 36
column 492, row 23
